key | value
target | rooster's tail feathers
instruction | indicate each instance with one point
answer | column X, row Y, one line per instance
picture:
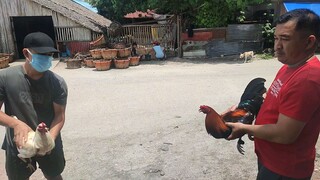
column 253, row 89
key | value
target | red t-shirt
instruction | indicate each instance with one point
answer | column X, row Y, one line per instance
column 295, row 92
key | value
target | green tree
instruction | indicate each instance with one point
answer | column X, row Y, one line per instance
column 202, row 13
column 214, row 14
column 222, row 12
column 116, row 9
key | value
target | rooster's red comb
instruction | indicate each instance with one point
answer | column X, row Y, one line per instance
column 204, row 108
column 43, row 125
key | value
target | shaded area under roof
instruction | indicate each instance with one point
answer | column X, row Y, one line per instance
column 314, row 6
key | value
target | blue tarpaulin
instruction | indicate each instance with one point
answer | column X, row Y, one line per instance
column 314, row 6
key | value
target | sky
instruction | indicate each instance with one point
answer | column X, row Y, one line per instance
column 314, row 6
column 87, row 5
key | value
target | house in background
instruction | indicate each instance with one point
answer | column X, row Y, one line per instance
column 139, row 17
column 71, row 25
column 147, row 27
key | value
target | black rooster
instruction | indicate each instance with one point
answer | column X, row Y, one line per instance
column 246, row 112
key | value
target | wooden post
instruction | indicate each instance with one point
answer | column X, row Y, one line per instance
column 179, row 39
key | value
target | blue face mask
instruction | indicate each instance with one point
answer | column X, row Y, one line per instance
column 40, row 63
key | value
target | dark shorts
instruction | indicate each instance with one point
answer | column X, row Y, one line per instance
column 51, row 165
column 266, row 174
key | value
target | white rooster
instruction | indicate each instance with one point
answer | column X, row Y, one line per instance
column 39, row 143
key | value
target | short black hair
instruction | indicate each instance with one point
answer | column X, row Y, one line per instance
column 306, row 20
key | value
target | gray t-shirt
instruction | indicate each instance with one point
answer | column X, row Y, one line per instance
column 30, row 100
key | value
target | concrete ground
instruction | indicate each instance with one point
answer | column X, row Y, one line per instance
column 143, row 122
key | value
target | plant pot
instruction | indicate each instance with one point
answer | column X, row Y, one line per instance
column 4, row 62
column 134, row 61
column 102, row 65
column 73, row 63
column 123, row 53
column 109, row 53
column 121, row 63
column 96, row 53
column 89, row 62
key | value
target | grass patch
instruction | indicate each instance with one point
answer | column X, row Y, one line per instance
column 265, row 56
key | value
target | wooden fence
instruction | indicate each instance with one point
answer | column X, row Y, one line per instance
column 145, row 35
column 69, row 34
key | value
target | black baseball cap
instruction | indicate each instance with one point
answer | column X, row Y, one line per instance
column 39, row 42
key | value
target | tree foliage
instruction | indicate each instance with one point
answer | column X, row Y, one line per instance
column 202, row 13
column 214, row 14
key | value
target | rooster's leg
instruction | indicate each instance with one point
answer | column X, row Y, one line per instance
column 29, row 165
column 239, row 146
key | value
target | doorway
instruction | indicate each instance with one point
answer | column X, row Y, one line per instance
column 23, row 25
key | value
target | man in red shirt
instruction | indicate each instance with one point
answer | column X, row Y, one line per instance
column 288, row 124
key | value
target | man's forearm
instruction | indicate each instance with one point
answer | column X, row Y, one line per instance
column 272, row 133
column 56, row 126
column 267, row 132
column 8, row 121
column 58, row 120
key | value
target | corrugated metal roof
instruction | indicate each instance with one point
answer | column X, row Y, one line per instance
column 138, row 14
column 314, row 6
column 77, row 13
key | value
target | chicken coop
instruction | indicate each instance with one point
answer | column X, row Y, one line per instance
column 69, row 24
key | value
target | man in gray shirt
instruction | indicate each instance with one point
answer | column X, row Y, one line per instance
column 33, row 94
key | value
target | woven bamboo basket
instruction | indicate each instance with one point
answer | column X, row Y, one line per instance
column 4, row 62
column 10, row 56
column 126, row 52
column 109, row 53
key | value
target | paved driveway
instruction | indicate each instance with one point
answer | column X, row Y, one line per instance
column 143, row 122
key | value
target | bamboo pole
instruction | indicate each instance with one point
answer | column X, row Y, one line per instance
column 179, row 32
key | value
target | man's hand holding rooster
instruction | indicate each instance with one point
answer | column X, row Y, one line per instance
column 21, row 131
column 238, row 130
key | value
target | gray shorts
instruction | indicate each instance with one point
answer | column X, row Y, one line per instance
column 51, row 165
